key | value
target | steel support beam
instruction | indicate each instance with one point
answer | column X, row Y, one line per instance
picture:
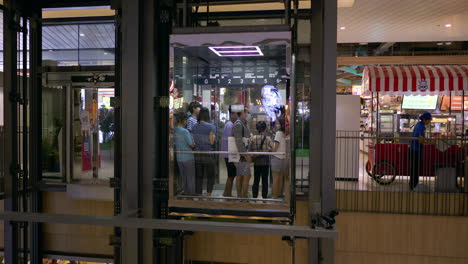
column 130, row 102
column 323, row 21
column 165, row 224
column 35, row 137
column 11, row 129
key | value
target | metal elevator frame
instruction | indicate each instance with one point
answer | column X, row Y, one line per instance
column 143, row 29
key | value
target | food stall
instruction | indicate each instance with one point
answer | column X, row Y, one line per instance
column 388, row 156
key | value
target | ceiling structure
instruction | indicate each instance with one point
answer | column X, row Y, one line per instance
column 403, row 21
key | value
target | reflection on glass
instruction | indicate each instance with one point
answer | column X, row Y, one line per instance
column 93, row 129
column 230, row 123
column 53, row 133
column 78, row 44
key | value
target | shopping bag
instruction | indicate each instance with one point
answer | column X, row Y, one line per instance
column 232, row 149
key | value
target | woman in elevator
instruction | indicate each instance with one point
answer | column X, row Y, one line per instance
column 278, row 161
column 204, row 134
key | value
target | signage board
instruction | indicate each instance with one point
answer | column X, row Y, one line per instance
column 420, row 102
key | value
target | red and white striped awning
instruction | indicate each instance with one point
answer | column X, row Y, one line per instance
column 414, row 80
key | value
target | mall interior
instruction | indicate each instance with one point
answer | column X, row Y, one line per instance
column 233, row 131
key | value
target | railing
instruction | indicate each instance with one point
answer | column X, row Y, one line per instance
column 380, row 174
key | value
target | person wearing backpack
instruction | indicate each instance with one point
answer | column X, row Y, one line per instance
column 261, row 143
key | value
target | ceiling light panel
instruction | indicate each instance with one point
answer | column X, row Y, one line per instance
column 237, row 51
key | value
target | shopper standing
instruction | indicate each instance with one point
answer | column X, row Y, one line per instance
column 194, row 109
column 185, row 161
column 241, row 134
column 416, row 148
column 204, row 134
column 261, row 143
column 278, row 161
column 231, row 168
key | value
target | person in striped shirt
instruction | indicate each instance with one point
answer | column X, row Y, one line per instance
column 194, row 109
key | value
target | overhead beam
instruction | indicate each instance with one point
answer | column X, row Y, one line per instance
column 344, row 81
column 402, row 60
column 164, row 224
column 383, row 47
column 350, row 70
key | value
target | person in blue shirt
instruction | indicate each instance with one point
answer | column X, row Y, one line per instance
column 416, row 148
column 183, row 141
column 194, row 109
column 204, row 134
column 230, row 166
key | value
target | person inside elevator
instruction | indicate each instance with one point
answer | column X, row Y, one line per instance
column 230, row 167
column 194, row 109
column 183, row 141
column 241, row 134
column 278, row 161
column 416, row 148
column 261, row 143
column 204, row 134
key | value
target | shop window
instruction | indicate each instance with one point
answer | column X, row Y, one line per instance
column 230, row 121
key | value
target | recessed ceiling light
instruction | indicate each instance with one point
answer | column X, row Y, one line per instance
column 82, row 34
column 105, row 53
column 448, row 25
column 237, row 51
column 51, row 50
column 448, row 43
column 440, row 43
column 342, row 28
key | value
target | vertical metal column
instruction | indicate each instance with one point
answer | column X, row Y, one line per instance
column 35, row 136
column 11, row 130
column 323, row 19
column 168, row 243
column 130, row 92
column 148, row 76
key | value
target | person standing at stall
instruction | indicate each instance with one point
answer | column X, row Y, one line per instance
column 230, row 167
column 416, row 148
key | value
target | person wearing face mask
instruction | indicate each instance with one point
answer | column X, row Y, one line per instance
column 416, row 148
column 241, row 134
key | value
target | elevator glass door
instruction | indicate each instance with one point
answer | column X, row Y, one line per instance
column 93, row 130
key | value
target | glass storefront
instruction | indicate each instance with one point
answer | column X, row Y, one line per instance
column 229, row 120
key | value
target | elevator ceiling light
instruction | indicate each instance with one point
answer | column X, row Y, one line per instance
column 448, row 25
column 237, row 51
column 342, row 28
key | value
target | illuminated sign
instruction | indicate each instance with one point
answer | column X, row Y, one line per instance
column 425, row 102
column 455, row 104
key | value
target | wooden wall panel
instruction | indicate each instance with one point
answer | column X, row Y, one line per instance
column 77, row 238
column 436, row 236
column 363, row 238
